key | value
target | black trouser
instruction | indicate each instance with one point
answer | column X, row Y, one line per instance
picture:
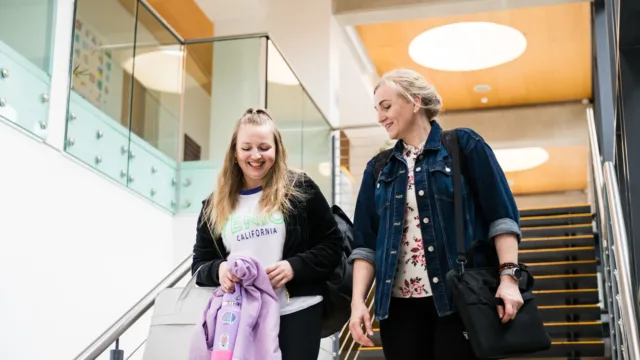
column 414, row 331
column 300, row 334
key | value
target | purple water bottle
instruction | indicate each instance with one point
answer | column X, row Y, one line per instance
column 226, row 331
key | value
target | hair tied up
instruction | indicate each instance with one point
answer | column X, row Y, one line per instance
column 412, row 85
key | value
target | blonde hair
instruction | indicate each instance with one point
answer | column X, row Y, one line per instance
column 278, row 190
column 411, row 85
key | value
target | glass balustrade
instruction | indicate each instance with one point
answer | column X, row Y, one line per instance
column 305, row 131
column 149, row 107
column 26, row 47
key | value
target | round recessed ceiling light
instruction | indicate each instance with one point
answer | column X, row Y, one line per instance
column 467, row 46
column 159, row 70
column 521, row 158
column 277, row 69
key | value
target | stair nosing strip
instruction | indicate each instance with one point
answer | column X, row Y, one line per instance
column 542, row 250
column 577, row 306
column 569, row 323
column 555, row 238
column 560, row 216
column 555, row 226
column 563, row 276
column 569, row 206
column 561, row 263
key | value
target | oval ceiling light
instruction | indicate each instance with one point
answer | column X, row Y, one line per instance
column 467, row 46
column 278, row 71
column 521, row 158
column 159, row 70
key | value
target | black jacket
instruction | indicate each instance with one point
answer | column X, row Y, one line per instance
column 313, row 244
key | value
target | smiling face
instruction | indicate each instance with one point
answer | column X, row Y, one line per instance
column 255, row 153
column 395, row 112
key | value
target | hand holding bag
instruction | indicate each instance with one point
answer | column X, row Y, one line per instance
column 474, row 292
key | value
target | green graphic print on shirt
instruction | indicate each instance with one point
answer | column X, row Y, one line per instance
column 243, row 227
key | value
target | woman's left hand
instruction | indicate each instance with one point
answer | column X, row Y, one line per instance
column 509, row 292
column 280, row 273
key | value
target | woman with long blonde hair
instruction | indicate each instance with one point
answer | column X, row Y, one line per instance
column 263, row 209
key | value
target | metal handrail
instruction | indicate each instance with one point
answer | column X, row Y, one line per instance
column 598, row 179
column 598, row 176
column 628, row 320
column 102, row 342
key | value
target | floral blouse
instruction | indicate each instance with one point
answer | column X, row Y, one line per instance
column 411, row 278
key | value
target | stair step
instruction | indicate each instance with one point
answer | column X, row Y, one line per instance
column 564, row 349
column 376, row 337
column 566, row 297
column 556, row 230
column 562, row 267
column 556, row 220
column 566, row 281
column 556, row 242
column 579, row 330
column 557, row 254
column 371, row 353
column 555, row 210
column 560, row 313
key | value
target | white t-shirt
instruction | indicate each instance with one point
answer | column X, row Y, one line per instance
column 252, row 233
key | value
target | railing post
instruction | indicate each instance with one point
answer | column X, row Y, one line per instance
column 60, row 74
column 117, row 353
column 336, row 345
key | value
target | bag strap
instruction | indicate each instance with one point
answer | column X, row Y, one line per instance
column 450, row 141
column 381, row 161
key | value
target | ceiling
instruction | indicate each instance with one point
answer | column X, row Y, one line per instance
column 565, row 170
column 555, row 67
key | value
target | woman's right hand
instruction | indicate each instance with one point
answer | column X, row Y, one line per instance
column 360, row 316
column 227, row 279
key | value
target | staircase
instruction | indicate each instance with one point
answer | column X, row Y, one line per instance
column 559, row 246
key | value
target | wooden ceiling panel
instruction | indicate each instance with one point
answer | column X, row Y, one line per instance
column 556, row 65
column 565, row 170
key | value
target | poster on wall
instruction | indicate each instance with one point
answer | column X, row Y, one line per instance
column 92, row 65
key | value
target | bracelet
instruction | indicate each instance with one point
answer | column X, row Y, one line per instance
column 508, row 265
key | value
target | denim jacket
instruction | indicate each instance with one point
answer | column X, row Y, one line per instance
column 489, row 210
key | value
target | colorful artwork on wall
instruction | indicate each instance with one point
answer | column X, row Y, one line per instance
column 91, row 65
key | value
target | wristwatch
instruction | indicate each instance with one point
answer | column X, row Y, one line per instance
column 514, row 272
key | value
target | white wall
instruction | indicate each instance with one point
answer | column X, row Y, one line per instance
column 76, row 251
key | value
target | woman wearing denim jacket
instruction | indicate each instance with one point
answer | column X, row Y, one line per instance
column 404, row 228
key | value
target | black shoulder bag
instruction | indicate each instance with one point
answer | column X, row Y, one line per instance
column 474, row 293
